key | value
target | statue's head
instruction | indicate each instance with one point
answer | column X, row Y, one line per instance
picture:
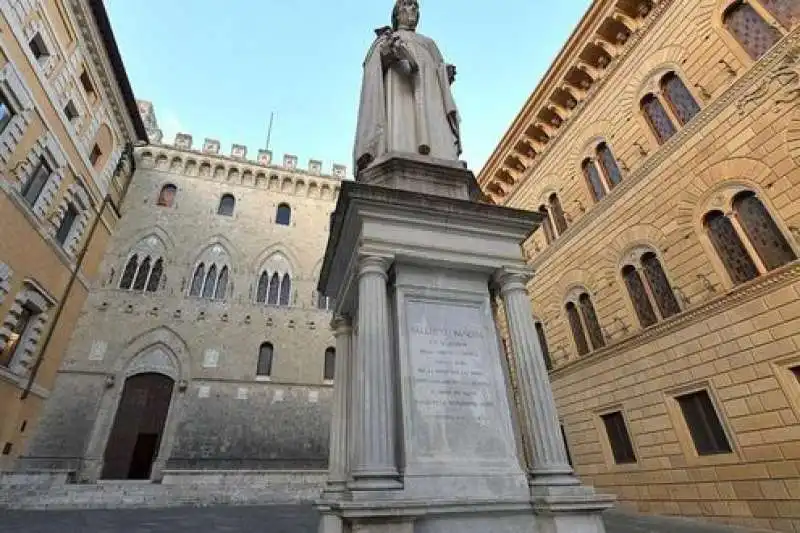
column 405, row 15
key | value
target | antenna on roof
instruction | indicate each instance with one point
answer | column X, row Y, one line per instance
column 269, row 129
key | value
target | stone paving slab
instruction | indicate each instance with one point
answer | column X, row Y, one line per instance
column 265, row 519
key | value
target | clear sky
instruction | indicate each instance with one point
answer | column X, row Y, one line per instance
column 217, row 69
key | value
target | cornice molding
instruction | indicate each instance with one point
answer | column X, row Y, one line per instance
column 775, row 59
column 546, row 87
column 742, row 294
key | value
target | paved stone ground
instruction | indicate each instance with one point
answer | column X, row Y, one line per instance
column 268, row 519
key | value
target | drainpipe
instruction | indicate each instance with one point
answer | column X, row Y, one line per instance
column 107, row 201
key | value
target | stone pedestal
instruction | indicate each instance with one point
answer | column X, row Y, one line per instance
column 425, row 409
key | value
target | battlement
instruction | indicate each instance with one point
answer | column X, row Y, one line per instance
column 183, row 141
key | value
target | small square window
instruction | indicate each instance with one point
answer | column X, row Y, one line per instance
column 704, row 424
column 94, row 157
column 70, row 111
column 38, row 47
column 618, row 437
column 36, row 182
column 6, row 112
column 87, row 84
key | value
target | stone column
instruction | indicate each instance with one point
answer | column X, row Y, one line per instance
column 375, row 465
column 541, row 428
column 337, row 452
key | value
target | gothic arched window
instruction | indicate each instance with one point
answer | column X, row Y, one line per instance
column 283, row 215
column 286, row 290
column 592, row 175
column 274, row 289
column 590, row 320
column 543, row 343
column 730, row 248
column 261, row 290
column 155, row 276
column 750, row 29
column 583, row 322
column 330, row 364
column 660, row 289
column 141, row 276
column 648, row 288
column 680, row 100
column 559, row 220
column 265, row 357
column 222, row 284
column 197, row 280
column 210, row 282
column 576, row 326
column 166, row 197
column 638, row 294
column 657, row 117
column 760, row 229
column 126, row 281
column 609, row 165
column 547, row 225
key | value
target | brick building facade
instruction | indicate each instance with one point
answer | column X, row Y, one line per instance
column 207, row 290
column 663, row 147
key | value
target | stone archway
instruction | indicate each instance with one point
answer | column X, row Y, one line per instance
column 138, row 427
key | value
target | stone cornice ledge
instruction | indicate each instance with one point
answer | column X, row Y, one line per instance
column 668, row 149
column 737, row 296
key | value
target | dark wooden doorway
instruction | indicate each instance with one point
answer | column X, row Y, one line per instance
column 138, row 427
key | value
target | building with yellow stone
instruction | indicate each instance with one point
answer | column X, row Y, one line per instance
column 663, row 147
column 68, row 122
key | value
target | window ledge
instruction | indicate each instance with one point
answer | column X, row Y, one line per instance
column 740, row 294
column 263, row 379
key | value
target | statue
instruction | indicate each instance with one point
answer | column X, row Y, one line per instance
column 406, row 103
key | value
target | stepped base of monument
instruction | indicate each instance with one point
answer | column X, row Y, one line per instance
column 579, row 511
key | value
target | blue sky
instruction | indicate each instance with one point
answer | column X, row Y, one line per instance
column 217, row 69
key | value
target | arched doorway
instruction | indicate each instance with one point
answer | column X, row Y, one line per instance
column 138, row 427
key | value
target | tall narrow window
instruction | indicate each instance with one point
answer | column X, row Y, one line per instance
column 330, row 364
column 543, row 343
column 226, row 205
column 35, row 185
column 762, row 232
column 197, row 280
column 679, row 98
column 274, row 289
column 704, row 424
column 38, row 47
column 323, row 302
column 639, row 297
column 167, row 195
column 222, row 285
column 126, row 281
column 67, row 221
column 660, row 288
column 18, row 333
column 6, row 112
column 95, row 155
column 261, row 290
column 577, row 329
column 87, row 84
column 729, row 248
column 283, row 216
column 609, row 165
column 619, row 438
column 657, row 117
column 286, row 290
column 559, row 220
column 70, row 111
column 155, row 276
column 787, row 12
column 141, row 276
column 590, row 319
column 210, row 282
column 593, row 178
column 750, row 29
column 547, row 226
column 265, row 354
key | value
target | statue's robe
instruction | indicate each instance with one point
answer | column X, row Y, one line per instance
column 401, row 112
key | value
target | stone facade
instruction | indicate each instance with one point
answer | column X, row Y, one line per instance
column 222, row 414
column 728, row 335
column 67, row 123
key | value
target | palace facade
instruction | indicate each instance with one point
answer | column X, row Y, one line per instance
column 204, row 346
column 68, row 121
column 663, row 148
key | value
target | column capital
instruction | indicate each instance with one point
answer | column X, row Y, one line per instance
column 512, row 279
column 374, row 264
column 341, row 325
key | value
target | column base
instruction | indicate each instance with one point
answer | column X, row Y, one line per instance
column 553, row 478
column 570, row 509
